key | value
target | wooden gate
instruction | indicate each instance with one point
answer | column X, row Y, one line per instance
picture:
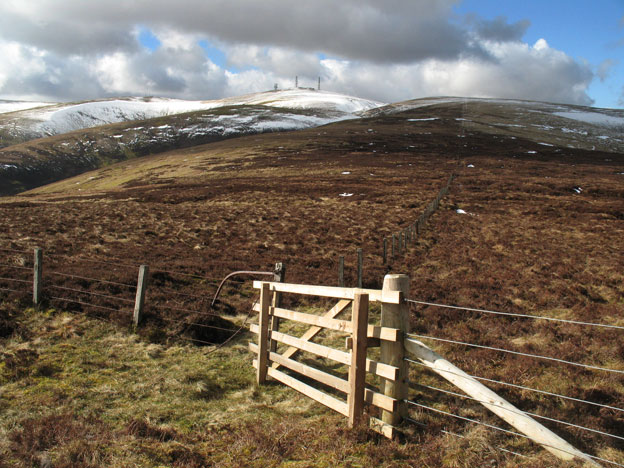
column 360, row 336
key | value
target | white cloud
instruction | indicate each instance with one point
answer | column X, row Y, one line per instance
column 392, row 50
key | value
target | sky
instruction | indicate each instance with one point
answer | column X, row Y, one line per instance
column 565, row 51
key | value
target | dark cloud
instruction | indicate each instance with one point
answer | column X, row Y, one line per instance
column 499, row 29
column 391, row 50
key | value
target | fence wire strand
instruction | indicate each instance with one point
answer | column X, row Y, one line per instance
column 518, row 412
column 413, row 403
column 16, row 280
column 15, row 251
column 536, row 356
column 18, row 267
column 521, row 387
column 84, row 303
column 183, row 322
column 509, row 314
column 12, row 290
column 93, row 279
column 81, row 291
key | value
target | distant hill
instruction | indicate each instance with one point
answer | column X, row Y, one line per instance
column 51, row 142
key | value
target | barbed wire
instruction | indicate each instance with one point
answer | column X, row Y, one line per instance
column 536, row 356
column 173, row 291
column 93, row 279
column 78, row 259
column 519, row 412
column 179, row 273
column 12, row 290
column 521, row 387
column 509, row 314
column 413, row 403
column 79, row 291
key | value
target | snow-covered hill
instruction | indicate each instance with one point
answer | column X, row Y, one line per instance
column 46, row 120
column 14, row 106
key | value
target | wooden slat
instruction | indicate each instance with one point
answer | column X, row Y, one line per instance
column 374, row 367
column 383, row 333
column 312, row 332
column 357, row 369
column 375, row 295
column 310, row 319
column 370, row 396
column 311, row 392
column 382, row 428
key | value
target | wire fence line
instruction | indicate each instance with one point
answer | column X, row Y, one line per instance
column 17, row 267
column 519, row 412
column 15, row 251
column 507, row 431
column 16, row 280
column 536, row 356
column 522, row 387
column 509, row 314
column 86, row 278
column 91, row 293
column 11, row 290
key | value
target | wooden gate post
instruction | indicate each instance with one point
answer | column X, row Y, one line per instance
column 395, row 316
column 263, row 335
column 37, row 276
column 357, row 370
column 139, row 300
column 279, row 276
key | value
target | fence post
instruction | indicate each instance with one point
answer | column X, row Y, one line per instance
column 341, row 271
column 139, row 300
column 392, row 353
column 357, row 370
column 359, row 268
column 393, row 246
column 385, row 250
column 279, row 276
column 37, row 276
column 265, row 302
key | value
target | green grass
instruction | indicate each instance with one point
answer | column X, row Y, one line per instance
column 79, row 392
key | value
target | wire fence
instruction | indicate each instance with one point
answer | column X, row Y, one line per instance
column 616, row 440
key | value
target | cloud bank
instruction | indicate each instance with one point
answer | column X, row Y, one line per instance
column 389, row 51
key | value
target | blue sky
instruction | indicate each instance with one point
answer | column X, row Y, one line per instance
column 549, row 50
column 587, row 30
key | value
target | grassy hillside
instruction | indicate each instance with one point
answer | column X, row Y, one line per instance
column 542, row 234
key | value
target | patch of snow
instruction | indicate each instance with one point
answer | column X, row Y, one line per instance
column 531, row 152
column 545, row 144
column 578, row 189
column 345, row 173
column 345, row 194
column 15, row 106
column 460, row 211
column 470, row 165
column 423, row 120
column 603, row 137
column 594, row 118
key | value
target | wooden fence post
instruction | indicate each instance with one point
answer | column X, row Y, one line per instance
column 357, row 370
column 341, row 271
column 139, row 300
column 393, row 246
column 385, row 250
column 265, row 302
column 37, row 276
column 359, row 268
column 395, row 316
column 279, row 276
